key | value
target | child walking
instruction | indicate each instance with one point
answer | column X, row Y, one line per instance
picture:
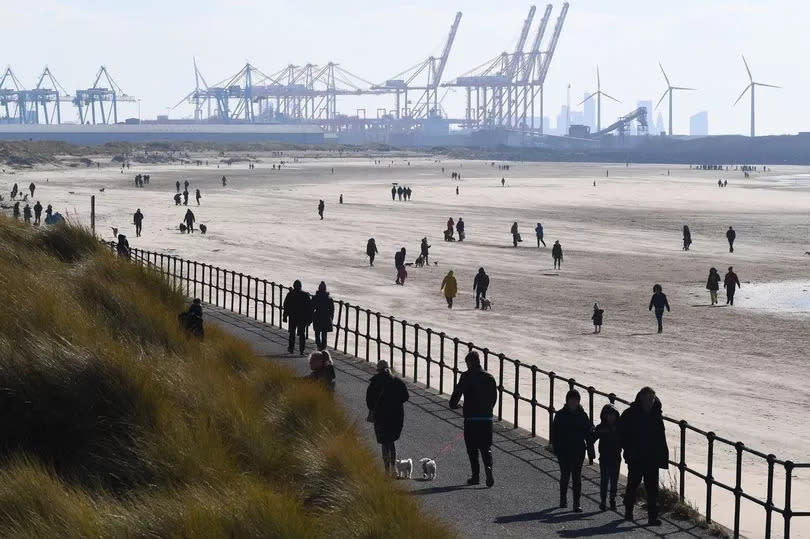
column 571, row 437
column 597, row 318
column 610, row 452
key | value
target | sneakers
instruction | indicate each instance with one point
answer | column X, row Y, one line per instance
column 474, row 480
column 577, row 509
column 490, row 479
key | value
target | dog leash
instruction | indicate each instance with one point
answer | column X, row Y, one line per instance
column 448, row 445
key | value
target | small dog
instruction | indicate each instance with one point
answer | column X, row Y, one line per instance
column 486, row 305
column 420, row 262
column 203, row 228
column 428, row 469
column 183, row 228
column 404, row 468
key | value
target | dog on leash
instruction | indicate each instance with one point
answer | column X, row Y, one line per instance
column 404, row 468
column 203, row 228
column 420, row 262
column 428, row 469
column 486, row 305
column 183, row 228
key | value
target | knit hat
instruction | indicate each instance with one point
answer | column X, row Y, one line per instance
column 382, row 366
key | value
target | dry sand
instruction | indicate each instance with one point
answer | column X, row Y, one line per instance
column 741, row 372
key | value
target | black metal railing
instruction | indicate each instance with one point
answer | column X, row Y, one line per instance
column 422, row 354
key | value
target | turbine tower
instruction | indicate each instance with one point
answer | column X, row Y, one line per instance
column 752, row 86
column 669, row 90
column 599, row 93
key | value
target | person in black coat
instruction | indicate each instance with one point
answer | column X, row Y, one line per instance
column 571, row 436
column 659, row 301
column 371, row 250
column 321, row 206
column 480, row 393
column 731, row 283
column 192, row 319
column 557, row 254
column 641, row 430
column 385, row 398
column 480, row 286
column 687, row 238
column 323, row 310
column 298, row 310
column 713, row 284
column 731, row 235
column 122, row 247
column 399, row 263
column 610, row 454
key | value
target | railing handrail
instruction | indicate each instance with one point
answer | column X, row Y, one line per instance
column 168, row 266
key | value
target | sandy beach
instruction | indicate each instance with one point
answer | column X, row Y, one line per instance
column 740, row 371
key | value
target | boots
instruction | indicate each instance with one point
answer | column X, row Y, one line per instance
column 474, row 480
column 490, row 479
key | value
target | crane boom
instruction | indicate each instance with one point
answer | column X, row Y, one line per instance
column 527, row 24
column 545, row 61
column 535, row 51
column 437, row 75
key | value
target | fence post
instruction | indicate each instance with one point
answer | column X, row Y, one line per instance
column 441, row 363
column 216, row 288
column 415, row 352
column 356, row 331
column 682, row 463
column 379, row 337
column 241, row 294
column 273, row 305
column 264, row 301
column 346, row 330
column 233, row 288
column 591, row 391
column 455, row 361
column 769, row 502
column 338, row 326
column 534, row 400
column 404, row 347
column 391, row 342
column 500, row 387
column 788, row 511
column 551, row 377
column 517, row 391
column 709, row 478
column 738, row 489
column 486, row 359
column 368, row 332
column 428, row 359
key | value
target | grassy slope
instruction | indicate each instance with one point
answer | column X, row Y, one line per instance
column 114, row 423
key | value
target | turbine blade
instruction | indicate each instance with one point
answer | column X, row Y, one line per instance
column 766, row 85
column 609, row 97
column 662, row 97
column 750, row 77
column 743, row 93
column 587, row 98
column 598, row 80
column 665, row 74
column 683, row 88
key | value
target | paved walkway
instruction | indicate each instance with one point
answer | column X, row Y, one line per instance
column 523, row 502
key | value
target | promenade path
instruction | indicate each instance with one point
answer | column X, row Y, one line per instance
column 524, row 500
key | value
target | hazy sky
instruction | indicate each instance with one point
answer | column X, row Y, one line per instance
column 148, row 47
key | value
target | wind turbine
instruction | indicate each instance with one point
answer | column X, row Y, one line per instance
column 669, row 90
column 599, row 93
column 751, row 86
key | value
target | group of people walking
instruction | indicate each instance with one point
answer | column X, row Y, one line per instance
column 731, row 236
column 404, row 193
column 301, row 310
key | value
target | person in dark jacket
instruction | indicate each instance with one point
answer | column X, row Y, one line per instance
column 298, row 310
column 122, row 247
column 189, row 219
column 659, row 301
column 177, row 201
column 713, row 284
column 557, row 254
column 198, row 196
column 538, row 231
column 16, row 210
column 515, row 234
column 641, row 430
column 480, row 394
column 731, row 235
column 687, row 238
column 323, row 310
column 32, row 188
column 323, row 370
column 177, row 185
column 571, row 437
column 393, row 193
column 598, row 315
column 610, row 454
column 460, row 229
column 185, row 197
column 424, row 250
column 137, row 219
column 385, row 398
column 399, row 263
column 48, row 213
column 731, row 283
column 192, row 319
column 321, row 206
column 371, row 251
column 37, row 213
column 480, row 286
column 27, row 214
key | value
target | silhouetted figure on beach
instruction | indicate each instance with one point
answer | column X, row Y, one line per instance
column 48, row 213
column 731, row 283
column 424, row 250
column 323, row 310
column 480, row 393
column 449, row 288
column 515, row 234
column 185, row 198
column 122, row 247
column 321, row 207
column 460, row 228
column 597, row 317
column 393, row 193
column 538, row 231
column 198, row 196
column 503, row 182
column 16, row 210
column 298, row 310
column 557, row 255
column 610, row 454
column 37, row 213
column 731, row 235
column 687, row 238
column 713, row 284
column 659, row 302
column 137, row 220
column 641, row 430
column 399, row 264
column 224, row 181
column 32, row 188
column 399, row 193
column 27, row 214
column 385, row 397
column 571, row 437
column 177, row 200
column 371, row 251
column 177, row 185
column 480, row 286
column 189, row 220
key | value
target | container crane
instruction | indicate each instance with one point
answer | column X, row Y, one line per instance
column 10, row 89
column 544, row 61
column 90, row 99
column 35, row 102
column 525, row 105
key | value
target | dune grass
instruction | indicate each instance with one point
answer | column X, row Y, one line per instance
column 114, row 422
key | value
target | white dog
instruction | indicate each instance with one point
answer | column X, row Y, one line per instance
column 428, row 469
column 404, row 468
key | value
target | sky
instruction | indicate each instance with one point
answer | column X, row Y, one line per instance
column 148, row 47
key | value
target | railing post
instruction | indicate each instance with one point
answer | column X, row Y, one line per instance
column 216, row 288
column 210, row 278
column 415, row 352
column 346, row 330
column 368, row 332
column 429, row 356
column 788, row 510
column 769, row 502
column 486, row 359
column 273, row 304
column 264, row 301
column 404, row 348
column 233, row 288
column 591, row 391
column 517, row 391
column 551, row 377
column 738, row 488
column 195, row 280
column 391, row 342
column 455, row 361
column 441, row 363
column 356, row 331
column 500, row 387
column 240, row 293
column 379, row 337
column 338, row 326
column 709, row 478
column 534, row 400
column 682, row 462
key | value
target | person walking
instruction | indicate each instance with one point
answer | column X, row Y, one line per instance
column 424, row 250
column 37, row 213
column 480, row 393
column 323, row 310
column 371, row 251
column 571, row 437
column 185, row 197
column 224, row 182
column 731, row 235
column 298, row 310
column 480, row 286
column 177, row 185
column 643, row 437
column 610, row 454
column 538, row 230
column 515, row 234
column 460, row 228
column 48, row 213
column 399, row 264
column 450, row 288
column 15, row 210
column 731, row 283
column 385, row 399
column 321, row 206
column 557, row 254
column 185, row 185
column 394, row 193
column 687, row 238
column 322, row 369
column 189, row 219
column 137, row 220
column 659, row 301
column 598, row 315
column 32, row 188
column 27, row 214
column 713, row 284
column 198, row 196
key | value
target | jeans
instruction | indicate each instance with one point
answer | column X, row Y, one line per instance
column 480, row 293
column 659, row 316
column 649, row 474
column 713, row 294
column 320, row 339
column 608, row 478
column 570, row 469
column 301, row 329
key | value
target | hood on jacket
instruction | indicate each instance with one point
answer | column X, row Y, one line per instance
column 607, row 410
column 656, row 407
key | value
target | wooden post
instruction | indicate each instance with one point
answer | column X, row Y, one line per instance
column 93, row 214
